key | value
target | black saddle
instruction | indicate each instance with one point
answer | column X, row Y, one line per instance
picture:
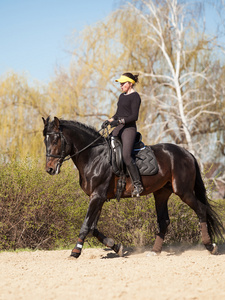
column 143, row 156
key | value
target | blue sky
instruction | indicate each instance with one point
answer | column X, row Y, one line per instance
column 35, row 34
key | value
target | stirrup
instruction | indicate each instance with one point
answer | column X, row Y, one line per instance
column 138, row 189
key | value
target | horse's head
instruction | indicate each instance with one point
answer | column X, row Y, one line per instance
column 56, row 146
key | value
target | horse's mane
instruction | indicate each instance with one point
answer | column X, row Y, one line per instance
column 74, row 125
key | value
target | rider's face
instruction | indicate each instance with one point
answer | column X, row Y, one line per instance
column 125, row 86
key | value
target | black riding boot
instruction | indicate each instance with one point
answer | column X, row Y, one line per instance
column 136, row 179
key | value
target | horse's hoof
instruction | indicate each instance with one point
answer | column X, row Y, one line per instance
column 120, row 250
column 74, row 254
column 71, row 257
column 212, row 248
column 215, row 250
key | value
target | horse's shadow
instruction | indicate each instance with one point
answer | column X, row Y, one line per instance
column 174, row 250
column 180, row 249
column 221, row 249
column 126, row 253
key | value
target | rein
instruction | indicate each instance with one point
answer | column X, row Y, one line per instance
column 78, row 152
column 62, row 156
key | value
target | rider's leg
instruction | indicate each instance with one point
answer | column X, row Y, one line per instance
column 136, row 179
column 128, row 137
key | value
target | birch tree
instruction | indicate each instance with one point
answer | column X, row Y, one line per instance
column 181, row 74
column 184, row 87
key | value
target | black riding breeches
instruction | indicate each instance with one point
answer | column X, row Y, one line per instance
column 127, row 135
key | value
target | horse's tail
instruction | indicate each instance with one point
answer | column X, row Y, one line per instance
column 214, row 224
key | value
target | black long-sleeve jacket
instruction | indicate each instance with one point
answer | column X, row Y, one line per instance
column 128, row 108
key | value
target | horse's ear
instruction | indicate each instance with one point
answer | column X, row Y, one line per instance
column 57, row 122
column 46, row 121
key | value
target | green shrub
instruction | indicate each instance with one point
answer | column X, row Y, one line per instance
column 133, row 222
column 38, row 210
column 184, row 224
column 45, row 212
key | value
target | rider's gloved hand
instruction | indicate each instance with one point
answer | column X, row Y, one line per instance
column 105, row 124
column 115, row 123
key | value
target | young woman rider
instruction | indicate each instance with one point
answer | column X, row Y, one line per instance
column 124, row 120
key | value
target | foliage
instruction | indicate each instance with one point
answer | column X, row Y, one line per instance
column 133, row 222
column 36, row 210
column 39, row 211
column 185, row 86
column 21, row 108
column 181, row 71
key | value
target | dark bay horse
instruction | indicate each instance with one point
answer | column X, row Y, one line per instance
column 178, row 173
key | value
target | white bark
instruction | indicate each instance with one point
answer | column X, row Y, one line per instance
column 174, row 15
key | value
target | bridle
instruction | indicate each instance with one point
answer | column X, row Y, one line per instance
column 62, row 155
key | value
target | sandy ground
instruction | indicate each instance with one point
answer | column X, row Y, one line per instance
column 178, row 273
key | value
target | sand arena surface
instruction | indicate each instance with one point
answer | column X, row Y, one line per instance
column 178, row 273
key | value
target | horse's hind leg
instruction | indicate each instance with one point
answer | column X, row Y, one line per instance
column 108, row 242
column 201, row 211
column 161, row 199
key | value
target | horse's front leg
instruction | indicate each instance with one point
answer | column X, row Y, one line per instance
column 93, row 213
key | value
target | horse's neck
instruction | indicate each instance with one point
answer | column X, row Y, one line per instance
column 81, row 139
column 83, row 143
column 88, row 160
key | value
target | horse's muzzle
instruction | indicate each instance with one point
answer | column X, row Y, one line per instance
column 53, row 168
column 51, row 171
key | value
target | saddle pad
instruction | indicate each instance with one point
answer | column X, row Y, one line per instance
column 146, row 161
